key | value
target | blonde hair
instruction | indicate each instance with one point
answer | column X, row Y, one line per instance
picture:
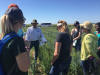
column 87, row 25
column 6, row 24
column 64, row 26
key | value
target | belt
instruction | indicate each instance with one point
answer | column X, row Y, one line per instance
column 35, row 40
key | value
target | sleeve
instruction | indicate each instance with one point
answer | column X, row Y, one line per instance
column 91, row 45
column 18, row 46
column 41, row 34
column 59, row 38
column 27, row 34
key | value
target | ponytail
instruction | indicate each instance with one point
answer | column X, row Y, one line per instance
column 6, row 24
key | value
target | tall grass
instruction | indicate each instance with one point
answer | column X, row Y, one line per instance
column 46, row 52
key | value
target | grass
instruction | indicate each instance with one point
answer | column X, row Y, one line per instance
column 46, row 53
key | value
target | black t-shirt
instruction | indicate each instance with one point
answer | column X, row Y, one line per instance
column 8, row 56
column 66, row 40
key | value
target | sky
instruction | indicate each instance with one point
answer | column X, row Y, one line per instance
column 52, row 11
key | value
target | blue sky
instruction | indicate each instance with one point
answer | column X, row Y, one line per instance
column 54, row 10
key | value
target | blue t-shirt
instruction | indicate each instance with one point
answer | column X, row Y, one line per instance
column 98, row 35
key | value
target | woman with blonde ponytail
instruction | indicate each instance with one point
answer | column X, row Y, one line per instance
column 63, row 46
column 14, row 57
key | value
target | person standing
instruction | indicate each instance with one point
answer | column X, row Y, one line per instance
column 76, row 34
column 33, row 35
column 97, row 33
column 14, row 57
column 88, row 49
column 63, row 46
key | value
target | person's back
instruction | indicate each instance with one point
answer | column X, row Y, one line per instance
column 75, row 33
column 66, row 41
column 14, row 57
column 89, row 46
column 97, row 33
column 9, row 52
column 63, row 46
column 89, row 50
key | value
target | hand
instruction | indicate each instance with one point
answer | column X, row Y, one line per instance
column 73, row 39
column 98, row 48
column 27, row 48
column 51, row 63
column 98, row 61
column 45, row 42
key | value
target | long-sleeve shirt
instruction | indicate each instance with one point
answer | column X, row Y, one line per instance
column 89, row 46
column 33, row 34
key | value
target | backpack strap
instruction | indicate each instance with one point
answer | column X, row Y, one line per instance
column 4, row 40
column 8, row 37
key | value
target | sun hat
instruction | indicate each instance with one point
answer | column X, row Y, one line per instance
column 87, row 25
column 34, row 21
column 13, row 5
column 15, row 14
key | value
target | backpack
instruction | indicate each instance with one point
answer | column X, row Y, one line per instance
column 3, row 41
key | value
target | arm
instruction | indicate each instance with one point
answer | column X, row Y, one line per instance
column 27, row 35
column 79, row 35
column 56, row 52
column 42, row 38
column 41, row 34
column 21, row 55
column 23, row 61
column 72, row 31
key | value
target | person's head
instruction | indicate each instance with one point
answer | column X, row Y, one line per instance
column 87, row 27
column 34, row 23
column 13, row 5
column 62, row 26
column 97, row 26
column 12, row 20
column 77, row 24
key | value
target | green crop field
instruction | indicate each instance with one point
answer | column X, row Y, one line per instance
column 46, row 54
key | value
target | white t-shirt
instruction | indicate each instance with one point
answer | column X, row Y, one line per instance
column 33, row 34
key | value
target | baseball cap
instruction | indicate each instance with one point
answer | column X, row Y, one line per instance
column 13, row 5
column 15, row 14
column 76, row 23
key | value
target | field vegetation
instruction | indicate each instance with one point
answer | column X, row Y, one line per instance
column 46, row 54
